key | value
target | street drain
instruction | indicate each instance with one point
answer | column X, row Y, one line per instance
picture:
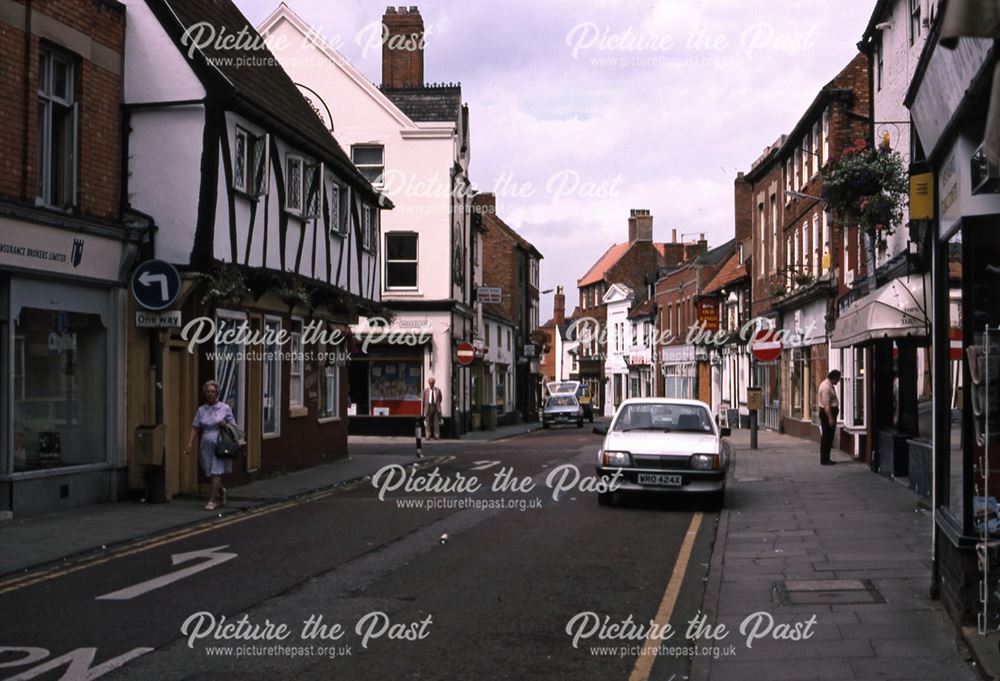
column 827, row 592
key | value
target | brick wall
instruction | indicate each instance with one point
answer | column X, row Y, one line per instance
column 98, row 92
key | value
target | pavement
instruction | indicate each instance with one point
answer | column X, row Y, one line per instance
column 798, row 540
column 501, row 433
column 39, row 540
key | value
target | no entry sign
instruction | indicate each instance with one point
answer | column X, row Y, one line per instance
column 766, row 346
column 465, row 353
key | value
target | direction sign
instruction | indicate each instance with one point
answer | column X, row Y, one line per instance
column 465, row 353
column 492, row 295
column 765, row 346
column 155, row 284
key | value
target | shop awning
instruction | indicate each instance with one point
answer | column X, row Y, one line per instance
column 896, row 310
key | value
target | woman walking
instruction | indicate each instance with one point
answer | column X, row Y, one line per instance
column 208, row 419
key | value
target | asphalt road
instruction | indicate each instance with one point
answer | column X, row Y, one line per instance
column 484, row 591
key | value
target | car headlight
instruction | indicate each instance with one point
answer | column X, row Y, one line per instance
column 705, row 462
column 616, row 458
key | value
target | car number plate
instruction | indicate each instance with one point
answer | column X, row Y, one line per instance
column 659, row 479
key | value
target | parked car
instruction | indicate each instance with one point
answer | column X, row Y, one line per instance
column 562, row 409
column 665, row 445
column 578, row 389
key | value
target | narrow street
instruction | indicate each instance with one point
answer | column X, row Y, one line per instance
column 496, row 594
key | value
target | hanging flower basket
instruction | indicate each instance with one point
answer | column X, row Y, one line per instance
column 868, row 186
column 226, row 286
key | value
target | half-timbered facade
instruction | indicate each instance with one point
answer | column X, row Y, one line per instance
column 273, row 227
column 413, row 140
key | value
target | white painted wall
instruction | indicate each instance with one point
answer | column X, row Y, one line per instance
column 418, row 157
column 150, row 50
column 899, row 64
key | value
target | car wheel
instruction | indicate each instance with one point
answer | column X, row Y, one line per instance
column 606, row 498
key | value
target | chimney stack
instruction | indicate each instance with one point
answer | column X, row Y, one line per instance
column 744, row 209
column 640, row 226
column 402, row 48
column 559, row 307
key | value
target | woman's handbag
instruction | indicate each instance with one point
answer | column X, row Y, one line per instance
column 227, row 446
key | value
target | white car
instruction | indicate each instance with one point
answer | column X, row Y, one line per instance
column 664, row 445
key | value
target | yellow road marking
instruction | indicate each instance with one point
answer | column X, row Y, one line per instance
column 644, row 663
column 16, row 583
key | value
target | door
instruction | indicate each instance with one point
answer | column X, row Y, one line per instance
column 180, row 402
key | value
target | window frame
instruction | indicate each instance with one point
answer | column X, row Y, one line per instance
column 329, row 386
column 415, row 261
column 272, row 321
column 300, row 189
column 379, row 182
column 296, row 398
column 46, row 100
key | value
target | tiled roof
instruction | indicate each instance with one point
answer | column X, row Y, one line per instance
column 432, row 103
column 264, row 87
column 610, row 257
column 644, row 308
column 731, row 272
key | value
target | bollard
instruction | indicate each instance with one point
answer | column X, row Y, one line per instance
column 418, row 431
column 753, row 429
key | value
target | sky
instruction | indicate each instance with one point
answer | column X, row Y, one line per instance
column 583, row 110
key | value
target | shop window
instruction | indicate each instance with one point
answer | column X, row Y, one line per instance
column 797, row 382
column 60, row 390
column 58, row 130
column 329, row 389
column 953, row 386
column 296, row 364
column 858, row 396
column 230, row 366
column 271, row 398
column 501, row 388
column 401, row 260
column 396, row 387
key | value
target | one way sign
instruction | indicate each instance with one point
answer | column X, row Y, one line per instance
column 155, row 284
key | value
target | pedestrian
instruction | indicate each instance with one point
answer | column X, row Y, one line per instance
column 431, row 410
column 207, row 420
column 829, row 408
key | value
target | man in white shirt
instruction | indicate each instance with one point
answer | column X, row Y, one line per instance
column 829, row 408
column 431, row 410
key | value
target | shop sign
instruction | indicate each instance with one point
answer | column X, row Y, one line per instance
column 922, row 196
column 708, row 315
column 755, row 399
column 53, row 250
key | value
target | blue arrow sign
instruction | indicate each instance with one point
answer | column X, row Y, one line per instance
column 155, row 284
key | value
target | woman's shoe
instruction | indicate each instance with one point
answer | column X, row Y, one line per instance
column 210, row 506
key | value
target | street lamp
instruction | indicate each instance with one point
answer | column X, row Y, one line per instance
column 800, row 195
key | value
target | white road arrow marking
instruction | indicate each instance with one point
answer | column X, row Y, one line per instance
column 214, row 555
column 483, row 465
column 147, row 279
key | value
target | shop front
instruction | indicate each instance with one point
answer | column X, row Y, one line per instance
column 804, row 365
column 679, row 371
column 891, row 324
column 61, row 333
column 949, row 101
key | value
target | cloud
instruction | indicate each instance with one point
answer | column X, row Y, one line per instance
column 660, row 103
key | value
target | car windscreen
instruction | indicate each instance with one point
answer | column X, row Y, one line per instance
column 561, row 401
column 674, row 418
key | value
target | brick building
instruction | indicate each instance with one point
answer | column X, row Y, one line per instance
column 626, row 263
column 64, row 248
column 512, row 263
column 803, row 261
column 684, row 368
